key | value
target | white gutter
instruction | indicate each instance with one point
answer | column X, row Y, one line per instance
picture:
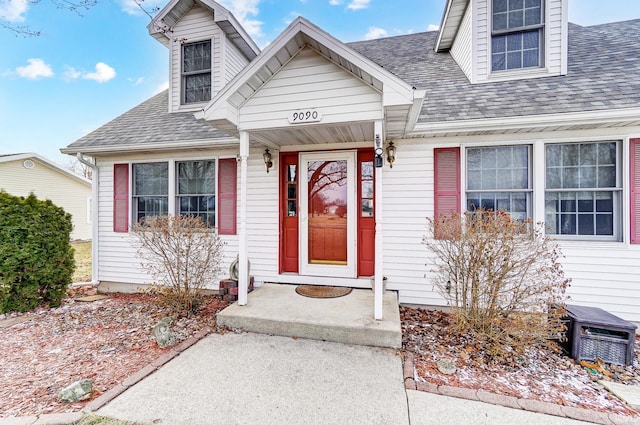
column 589, row 118
column 155, row 147
column 94, row 216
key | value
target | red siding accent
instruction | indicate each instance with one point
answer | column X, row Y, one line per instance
column 446, row 181
column 366, row 225
column 634, row 177
column 227, row 195
column 120, row 198
column 289, row 224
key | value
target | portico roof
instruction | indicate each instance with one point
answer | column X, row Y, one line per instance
column 401, row 102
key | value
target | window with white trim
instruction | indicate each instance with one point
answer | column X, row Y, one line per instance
column 583, row 189
column 498, row 178
column 517, row 34
column 196, row 72
column 150, row 186
column 196, row 190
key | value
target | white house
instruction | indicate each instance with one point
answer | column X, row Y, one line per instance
column 24, row 173
column 285, row 150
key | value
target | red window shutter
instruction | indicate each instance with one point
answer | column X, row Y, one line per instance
column 634, row 177
column 446, row 181
column 121, row 197
column 227, row 182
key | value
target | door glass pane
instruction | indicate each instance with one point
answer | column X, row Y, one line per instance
column 327, row 213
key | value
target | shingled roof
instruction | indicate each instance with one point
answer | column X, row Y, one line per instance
column 603, row 73
column 148, row 124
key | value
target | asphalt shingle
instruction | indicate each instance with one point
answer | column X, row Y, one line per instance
column 603, row 74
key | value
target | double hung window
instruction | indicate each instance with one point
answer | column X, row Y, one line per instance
column 517, row 34
column 498, row 178
column 196, row 190
column 196, row 72
column 582, row 194
column 150, row 190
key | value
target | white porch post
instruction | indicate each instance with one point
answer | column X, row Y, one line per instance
column 378, row 290
column 243, row 269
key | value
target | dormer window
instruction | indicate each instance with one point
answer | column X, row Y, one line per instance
column 516, row 34
column 196, row 72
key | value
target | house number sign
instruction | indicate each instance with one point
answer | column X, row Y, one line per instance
column 304, row 115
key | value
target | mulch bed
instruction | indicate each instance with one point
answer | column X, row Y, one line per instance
column 109, row 340
column 541, row 375
column 105, row 340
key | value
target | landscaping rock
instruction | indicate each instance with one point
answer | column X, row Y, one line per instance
column 447, row 366
column 164, row 337
column 79, row 390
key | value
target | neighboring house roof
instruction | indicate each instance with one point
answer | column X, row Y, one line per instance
column 603, row 77
column 603, row 73
column 149, row 125
column 50, row 164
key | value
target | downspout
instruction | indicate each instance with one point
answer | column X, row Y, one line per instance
column 94, row 216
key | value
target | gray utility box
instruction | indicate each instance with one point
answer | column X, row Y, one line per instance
column 594, row 333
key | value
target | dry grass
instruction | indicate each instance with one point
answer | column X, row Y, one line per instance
column 100, row 420
column 83, row 261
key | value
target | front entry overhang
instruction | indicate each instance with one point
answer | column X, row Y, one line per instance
column 309, row 90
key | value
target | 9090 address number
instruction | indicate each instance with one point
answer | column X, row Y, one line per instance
column 304, row 115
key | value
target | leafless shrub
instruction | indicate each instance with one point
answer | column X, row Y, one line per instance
column 502, row 278
column 183, row 255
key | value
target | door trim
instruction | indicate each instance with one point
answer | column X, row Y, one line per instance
column 332, row 270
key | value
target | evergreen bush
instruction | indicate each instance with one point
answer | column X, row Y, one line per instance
column 36, row 257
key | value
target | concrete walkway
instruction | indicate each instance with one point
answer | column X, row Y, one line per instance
column 259, row 379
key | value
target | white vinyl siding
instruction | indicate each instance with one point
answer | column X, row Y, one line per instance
column 311, row 81
column 118, row 262
column 47, row 183
column 196, row 25
column 554, row 48
column 234, row 61
column 461, row 50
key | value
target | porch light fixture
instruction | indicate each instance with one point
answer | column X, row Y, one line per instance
column 391, row 154
column 267, row 159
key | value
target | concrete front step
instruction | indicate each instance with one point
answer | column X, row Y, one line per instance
column 278, row 310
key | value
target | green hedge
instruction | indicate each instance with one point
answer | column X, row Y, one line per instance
column 36, row 257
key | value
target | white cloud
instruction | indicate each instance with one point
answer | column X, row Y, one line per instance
column 375, row 32
column 130, row 6
column 36, row 69
column 242, row 10
column 162, row 87
column 290, row 17
column 137, row 81
column 103, row 73
column 71, row 73
column 358, row 4
column 13, row 10
column 433, row 27
column 335, row 2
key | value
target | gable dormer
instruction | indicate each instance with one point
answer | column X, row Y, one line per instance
column 500, row 40
column 207, row 48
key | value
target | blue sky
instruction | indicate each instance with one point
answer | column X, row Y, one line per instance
column 83, row 71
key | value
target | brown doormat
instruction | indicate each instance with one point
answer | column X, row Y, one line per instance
column 317, row 291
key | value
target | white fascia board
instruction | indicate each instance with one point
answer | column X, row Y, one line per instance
column 153, row 147
column 225, row 112
column 443, row 24
column 416, row 108
column 611, row 116
column 228, row 16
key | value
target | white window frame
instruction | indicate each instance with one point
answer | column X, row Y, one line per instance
column 619, row 204
column 541, row 28
column 184, row 75
column 529, row 191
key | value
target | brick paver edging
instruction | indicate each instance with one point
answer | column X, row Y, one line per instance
column 106, row 397
column 585, row 415
column 138, row 376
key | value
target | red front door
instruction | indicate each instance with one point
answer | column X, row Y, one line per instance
column 326, row 225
